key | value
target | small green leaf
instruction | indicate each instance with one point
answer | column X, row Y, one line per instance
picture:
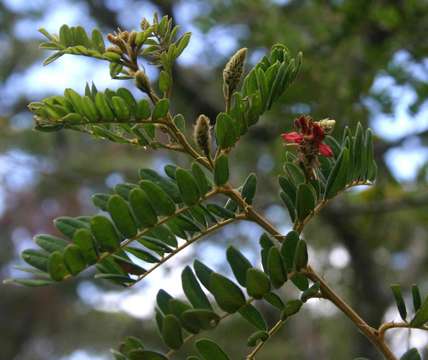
column 56, row 266
column 301, row 257
column 225, row 131
column 221, row 170
column 257, row 282
column 158, row 198
column 305, row 202
column 398, row 296
column 274, row 300
column 249, row 188
column 411, row 354
column 68, row 225
column 188, row 187
column 73, row 259
column 338, row 176
column 209, row 350
column 171, row 332
column 291, row 307
column 421, row 316
column 86, row 243
column 202, row 319
column 300, row 281
column 203, row 273
column 204, row 184
column 120, row 108
column 50, row 243
column 239, row 264
column 36, row 258
column 104, row 233
column 164, row 81
column 163, row 299
column 311, row 292
column 193, row 290
column 258, row 336
column 288, row 249
column 416, row 296
column 142, row 208
column 142, row 254
column 121, row 216
column 295, row 173
column 227, row 294
column 253, row 316
column 161, row 109
column 276, row 268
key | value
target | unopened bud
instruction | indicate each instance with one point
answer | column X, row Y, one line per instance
column 233, row 71
column 144, row 24
column 202, row 134
column 327, row 125
column 142, row 81
column 132, row 38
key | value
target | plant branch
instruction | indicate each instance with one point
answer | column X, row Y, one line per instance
column 271, row 332
column 205, row 232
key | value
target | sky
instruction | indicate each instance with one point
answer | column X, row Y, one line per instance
column 74, row 71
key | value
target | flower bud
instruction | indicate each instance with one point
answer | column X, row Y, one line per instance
column 142, row 81
column 202, row 134
column 233, row 71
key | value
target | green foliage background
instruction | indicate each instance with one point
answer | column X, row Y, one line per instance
column 348, row 46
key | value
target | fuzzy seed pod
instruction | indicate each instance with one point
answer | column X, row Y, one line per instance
column 233, row 71
column 202, row 134
column 142, row 81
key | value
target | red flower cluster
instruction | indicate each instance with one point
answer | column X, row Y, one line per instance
column 309, row 134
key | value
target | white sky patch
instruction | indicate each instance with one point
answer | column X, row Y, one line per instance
column 84, row 355
column 402, row 339
column 339, row 257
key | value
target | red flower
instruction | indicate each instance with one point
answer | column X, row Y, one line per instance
column 309, row 137
column 292, row 137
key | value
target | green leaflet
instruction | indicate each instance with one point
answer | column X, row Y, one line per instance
column 120, row 108
column 301, row 257
column 225, row 131
column 253, row 316
column 411, row 354
column 161, row 109
column 56, row 266
column 288, row 249
column 143, row 111
column 338, row 176
column 227, row 294
column 105, row 234
column 142, row 254
column 291, row 307
column 416, row 297
column 68, row 225
column 249, row 188
column 121, row 216
column 209, row 350
column 257, row 283
column 36, row 258
column 203, row 273
column 84, row 240
column 188, row 187
column 256, row 337
column 221, row 170
column 421, row 316
column 158, row 198
column 276, row 268
column 398, row 296
column 201, row 319
column 193, row 290
column 130, row 343
column 171, row 332
column 201, row 179
column 305, row 202
column 274, row 300
column 239, row 264
column 295, row 173
column 74, row 260
column 310, row 292
column 50, row 243
column 142, row 208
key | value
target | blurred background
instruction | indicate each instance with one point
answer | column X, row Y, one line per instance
column 364, row 61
